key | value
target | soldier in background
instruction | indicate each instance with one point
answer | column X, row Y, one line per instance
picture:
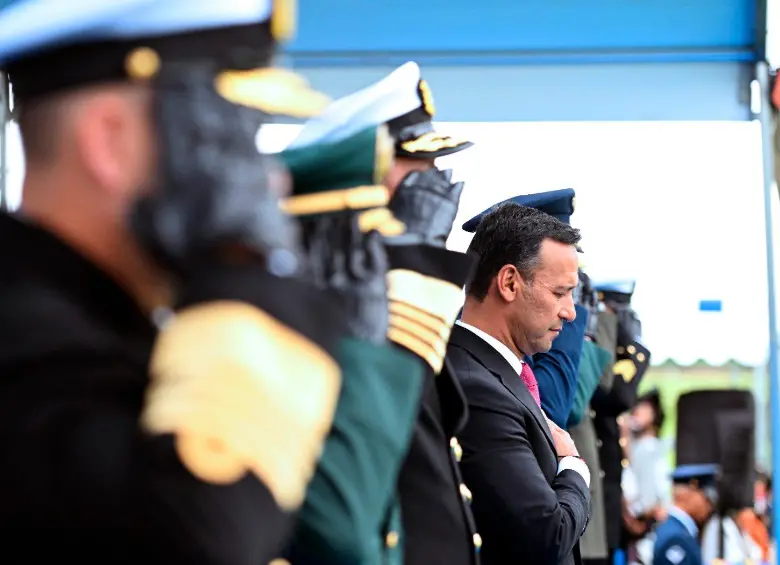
column 596, row 372
column 145, row 199
column 632, row 360
column 719, row 426
column 695, row 500
column 648, row 469
column 345, row 517
column 435, row 523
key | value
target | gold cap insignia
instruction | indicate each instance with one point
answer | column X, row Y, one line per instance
column 142, row 63
column 384, row 154
column 427, row 98
column 284, row 19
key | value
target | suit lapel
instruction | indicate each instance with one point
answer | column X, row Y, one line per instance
column 453, row 401
column 494, row 362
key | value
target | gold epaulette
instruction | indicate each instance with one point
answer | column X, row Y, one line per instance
column 242, row 393
column 422, row 312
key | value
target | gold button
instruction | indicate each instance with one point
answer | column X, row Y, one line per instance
column 465, row 492
column 391, row 539
column 457, row 450
column 621, row 420
column 477, row 539
column 631, row 349
column 592, row 413
column 142, row 63
column 620, row 350
column 624, row 463
column 640, row 357
column 279, row 561
column 623, row 441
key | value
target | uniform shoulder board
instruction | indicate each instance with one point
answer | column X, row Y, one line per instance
column 675, row 554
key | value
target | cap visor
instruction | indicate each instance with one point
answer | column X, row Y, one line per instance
column 277, row 92
column 430, row 146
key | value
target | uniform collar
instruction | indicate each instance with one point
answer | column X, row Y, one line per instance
column 685, row 519
column 33, row 253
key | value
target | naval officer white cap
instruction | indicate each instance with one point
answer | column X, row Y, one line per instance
column 51, row 45
column 402, row 100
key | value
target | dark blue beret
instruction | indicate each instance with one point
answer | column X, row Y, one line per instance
column 700, row 475
column 557, row 203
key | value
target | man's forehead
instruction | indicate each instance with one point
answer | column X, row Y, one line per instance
column 558, row 259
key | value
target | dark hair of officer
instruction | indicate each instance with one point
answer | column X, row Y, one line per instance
column 90, row 154
column 527, row 270
column 513, row 234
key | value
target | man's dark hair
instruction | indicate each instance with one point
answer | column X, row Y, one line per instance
column 511, row 234
column 39, row 125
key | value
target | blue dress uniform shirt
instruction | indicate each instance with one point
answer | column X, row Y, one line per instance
column 677, row 541
column 557, row 370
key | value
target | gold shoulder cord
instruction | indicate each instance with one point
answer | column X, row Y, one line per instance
column 242, row 393
column 422, row 311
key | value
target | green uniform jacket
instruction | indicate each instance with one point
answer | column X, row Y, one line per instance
column 350, row 506
column 593, row 363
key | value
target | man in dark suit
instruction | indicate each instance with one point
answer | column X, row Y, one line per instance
column 531, row 496
column 556, row 370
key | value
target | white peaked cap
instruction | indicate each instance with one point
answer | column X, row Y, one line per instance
column 394, row 96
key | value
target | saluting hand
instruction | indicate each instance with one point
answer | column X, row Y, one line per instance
column 427, row 202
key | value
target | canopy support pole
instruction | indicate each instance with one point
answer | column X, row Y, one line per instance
column 767, row 148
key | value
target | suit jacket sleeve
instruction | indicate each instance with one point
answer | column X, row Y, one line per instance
column 513, row 500
column 353, row 487
column 557, row 370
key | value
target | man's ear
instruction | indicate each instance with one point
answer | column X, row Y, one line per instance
column 508, row 282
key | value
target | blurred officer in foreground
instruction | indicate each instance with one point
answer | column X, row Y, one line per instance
column 632, row 360
column 424, row 287
column 695, row 499
column 347, row 513
column 144, row 190
column 556, row 370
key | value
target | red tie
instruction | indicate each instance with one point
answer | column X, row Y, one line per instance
column 530, row 382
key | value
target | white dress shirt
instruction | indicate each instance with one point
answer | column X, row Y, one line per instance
column 571, row 463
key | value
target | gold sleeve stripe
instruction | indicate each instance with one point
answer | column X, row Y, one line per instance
column 421, row 317
column 432, row 339
column 439, row 298
column 422, row 311
column 433, row 357
column 241, row 392
column 359, row 198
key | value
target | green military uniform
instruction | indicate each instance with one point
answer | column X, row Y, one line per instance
column 349, row 508
column 424, row 289
column 595, row 371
